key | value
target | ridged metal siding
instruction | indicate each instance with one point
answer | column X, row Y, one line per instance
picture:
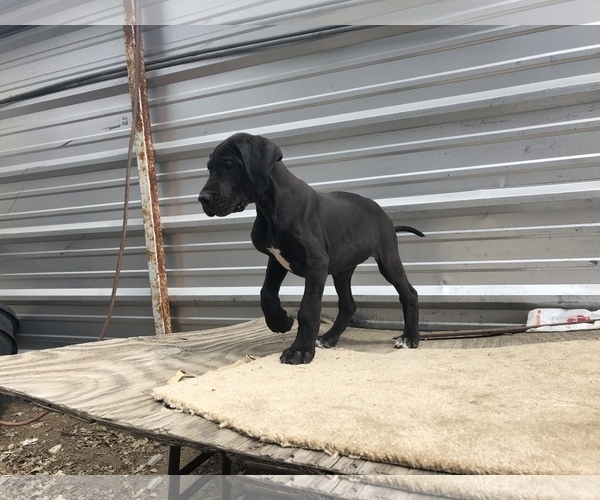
column 485, row 138
column 308, row 12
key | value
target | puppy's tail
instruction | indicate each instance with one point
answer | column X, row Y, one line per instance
column 409, row 229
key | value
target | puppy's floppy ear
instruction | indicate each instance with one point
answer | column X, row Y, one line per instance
column 259, row 155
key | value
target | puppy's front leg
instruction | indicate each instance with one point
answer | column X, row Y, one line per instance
column 278, row 320
column 309, row 319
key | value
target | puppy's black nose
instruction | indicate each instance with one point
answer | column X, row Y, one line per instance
column 205, row 198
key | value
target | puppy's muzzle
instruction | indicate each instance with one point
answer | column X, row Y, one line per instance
column 215, row 205
column 206, row 199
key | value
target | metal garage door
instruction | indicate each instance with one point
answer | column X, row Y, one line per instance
column 483, row 137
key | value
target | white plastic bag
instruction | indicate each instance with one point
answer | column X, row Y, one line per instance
column 578, row 319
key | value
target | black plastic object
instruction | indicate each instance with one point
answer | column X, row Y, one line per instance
column 9, row 326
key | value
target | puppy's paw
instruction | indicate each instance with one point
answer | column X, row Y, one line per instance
column 280, row 324
column 324, row 342
column 406, row 343
column 293, row 357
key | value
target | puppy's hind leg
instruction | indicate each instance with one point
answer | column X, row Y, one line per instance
column 392, row 270
column 346, row 309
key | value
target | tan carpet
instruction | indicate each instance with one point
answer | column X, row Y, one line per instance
column 481, row 487
column 528, row 409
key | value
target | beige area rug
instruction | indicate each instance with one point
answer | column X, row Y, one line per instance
column 480, row 487
column 528, row 409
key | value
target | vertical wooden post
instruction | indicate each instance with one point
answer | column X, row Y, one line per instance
column 146, row 169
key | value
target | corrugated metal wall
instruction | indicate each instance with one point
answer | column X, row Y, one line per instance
column 485, row 138
column 307, row 12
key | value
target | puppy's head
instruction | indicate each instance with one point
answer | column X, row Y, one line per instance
column 239, row 171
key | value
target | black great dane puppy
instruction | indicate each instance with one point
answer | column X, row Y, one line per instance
column 308, row 233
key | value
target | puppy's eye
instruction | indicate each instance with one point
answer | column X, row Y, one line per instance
column 228, row 164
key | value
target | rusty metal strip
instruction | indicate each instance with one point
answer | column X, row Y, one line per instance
column 146, row 170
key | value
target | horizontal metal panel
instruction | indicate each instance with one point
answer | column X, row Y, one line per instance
column 483, row 137
column 315, row 12
column 48, row 59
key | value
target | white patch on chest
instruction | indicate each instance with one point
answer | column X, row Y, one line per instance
column 277, row 254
